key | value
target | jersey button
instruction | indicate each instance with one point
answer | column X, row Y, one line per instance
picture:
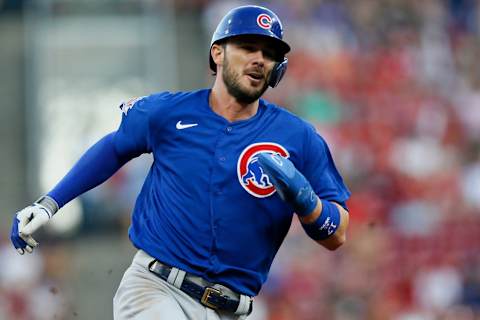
column 222, row 158
column 229, row 129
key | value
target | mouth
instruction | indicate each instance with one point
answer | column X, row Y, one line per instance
column 255, row 76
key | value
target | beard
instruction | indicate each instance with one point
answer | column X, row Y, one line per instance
column 235, row 88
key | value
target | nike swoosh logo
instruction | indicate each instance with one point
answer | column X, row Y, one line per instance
column 181, row 126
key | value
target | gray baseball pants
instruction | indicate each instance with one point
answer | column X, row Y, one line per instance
column 142, row 295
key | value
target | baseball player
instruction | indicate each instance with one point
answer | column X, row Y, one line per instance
column 230, row 171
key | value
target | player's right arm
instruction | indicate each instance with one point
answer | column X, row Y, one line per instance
column 95, row 166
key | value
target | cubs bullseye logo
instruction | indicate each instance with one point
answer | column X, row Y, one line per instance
column 264, row 21
column 251, row 175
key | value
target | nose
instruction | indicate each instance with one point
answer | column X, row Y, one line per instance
column 258, row 58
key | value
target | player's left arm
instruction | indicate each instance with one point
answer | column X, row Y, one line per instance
column 324, row 221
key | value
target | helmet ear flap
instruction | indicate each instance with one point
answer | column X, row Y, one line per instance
column 277, row 73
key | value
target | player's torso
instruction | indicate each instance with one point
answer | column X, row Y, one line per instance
column 205, row 182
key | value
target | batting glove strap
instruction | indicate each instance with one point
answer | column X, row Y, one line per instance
column 49, row 203
column 326, row 224
column 290, row 184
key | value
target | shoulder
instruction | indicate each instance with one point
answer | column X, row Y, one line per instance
column 305, row 133
column 287, row 118
column 167, row 97
column 159, row 101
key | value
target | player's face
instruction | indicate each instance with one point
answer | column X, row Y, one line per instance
column 247, row 65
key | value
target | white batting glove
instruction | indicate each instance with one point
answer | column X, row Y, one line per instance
column 29, row 220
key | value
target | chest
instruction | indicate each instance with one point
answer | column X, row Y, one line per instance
column 206, row 149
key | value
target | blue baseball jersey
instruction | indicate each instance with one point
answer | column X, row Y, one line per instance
column 206, row 206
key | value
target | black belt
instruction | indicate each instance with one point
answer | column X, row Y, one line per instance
column 207, row 295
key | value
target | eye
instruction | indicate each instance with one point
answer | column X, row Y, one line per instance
column 248, row 48
column 269, row 54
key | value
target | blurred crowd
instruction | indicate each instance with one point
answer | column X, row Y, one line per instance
column 394, row 87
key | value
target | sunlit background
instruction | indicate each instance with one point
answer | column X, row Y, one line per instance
column 393, row 85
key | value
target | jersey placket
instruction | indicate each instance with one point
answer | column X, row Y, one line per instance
column 217, row 189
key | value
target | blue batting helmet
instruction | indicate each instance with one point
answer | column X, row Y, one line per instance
column 254, row 20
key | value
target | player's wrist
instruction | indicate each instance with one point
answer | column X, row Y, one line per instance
column 326, row 223
column 49, row 204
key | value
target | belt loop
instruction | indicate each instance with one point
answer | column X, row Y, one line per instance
column 179, row 279
column 172, row 275
column 243, row 305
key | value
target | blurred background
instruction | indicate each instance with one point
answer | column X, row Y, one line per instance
column 393, row 85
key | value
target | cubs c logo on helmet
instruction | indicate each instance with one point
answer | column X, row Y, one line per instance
column 250, row 174
column 264, row 21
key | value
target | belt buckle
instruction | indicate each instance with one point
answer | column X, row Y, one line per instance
column 209, row 291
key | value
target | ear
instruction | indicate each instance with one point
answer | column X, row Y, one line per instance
column 217, row 52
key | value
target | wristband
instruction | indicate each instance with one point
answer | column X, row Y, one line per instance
column 326, row 224
column 49, row 203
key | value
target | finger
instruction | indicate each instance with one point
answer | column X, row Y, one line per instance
column 18, row 242
column 29, row 240
column 29, row 249
column 14, row 231
column 34, row 224
column 23, row 219
column 20, row 250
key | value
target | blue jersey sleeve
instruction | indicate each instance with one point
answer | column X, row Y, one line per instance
column 133, row 135
column 99, row 163
column 320, row 170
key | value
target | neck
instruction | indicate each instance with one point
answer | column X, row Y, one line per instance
column 227, row 106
